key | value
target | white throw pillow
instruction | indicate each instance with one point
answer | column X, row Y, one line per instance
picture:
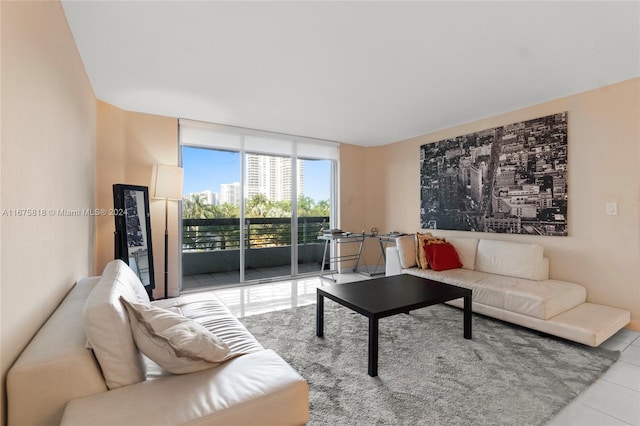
column 176, row 343
column 407, row 250
column 107, row 326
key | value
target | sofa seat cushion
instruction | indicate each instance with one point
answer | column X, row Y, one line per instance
column 255, row 389
column 459, row 277
column 488, row 289
column 176, row 343
column 106, row 325
column 208, row 310
column 538, row 299
column 543, row 299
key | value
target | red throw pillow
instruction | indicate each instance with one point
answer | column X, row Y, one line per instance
column 442, row 256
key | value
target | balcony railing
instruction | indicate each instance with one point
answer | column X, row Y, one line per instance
column 213, row 245
column 224, row 234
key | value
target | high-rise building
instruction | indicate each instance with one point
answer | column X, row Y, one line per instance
column 272, row 176
column 476, row 180
column 209, row 197
column 230, row 193
column 449, row 194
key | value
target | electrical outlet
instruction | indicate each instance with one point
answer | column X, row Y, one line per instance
column 611, row 209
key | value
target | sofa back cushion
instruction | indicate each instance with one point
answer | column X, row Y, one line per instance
column 519, row 260
column 466, row 249
column 106, row 325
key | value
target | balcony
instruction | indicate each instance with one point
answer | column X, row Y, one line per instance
column 211, row 249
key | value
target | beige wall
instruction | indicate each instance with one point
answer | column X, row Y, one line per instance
column 129, row 144
column 601, row 252
column 48, row 123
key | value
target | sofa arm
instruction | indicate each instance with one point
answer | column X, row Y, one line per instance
column 254, row 389
column 55, row 367
column 392, row 264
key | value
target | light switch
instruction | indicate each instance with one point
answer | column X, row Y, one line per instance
column 611, row 209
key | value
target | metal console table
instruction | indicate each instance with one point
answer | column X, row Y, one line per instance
column 347, row 237
column 341, row 238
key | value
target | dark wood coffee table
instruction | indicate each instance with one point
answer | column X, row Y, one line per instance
column 382, row 297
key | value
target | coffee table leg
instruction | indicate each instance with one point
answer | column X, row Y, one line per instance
column 373, row 347
column 467, row 317
column 320, row 316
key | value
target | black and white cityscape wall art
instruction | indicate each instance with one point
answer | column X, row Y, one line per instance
column 510, row 179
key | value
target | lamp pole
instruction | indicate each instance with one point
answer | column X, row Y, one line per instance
column 166, row 182
column 166, row 248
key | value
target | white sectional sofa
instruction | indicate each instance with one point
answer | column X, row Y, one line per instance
column 58, row 380
column 510, row 281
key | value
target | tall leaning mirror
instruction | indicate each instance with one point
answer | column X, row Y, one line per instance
column 133, row 231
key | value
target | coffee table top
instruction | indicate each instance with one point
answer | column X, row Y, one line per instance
column 386, row 296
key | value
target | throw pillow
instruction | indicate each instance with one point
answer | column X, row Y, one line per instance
column 176, row 343
column 406, row 251
column 442, row 256
column 106, row 325
column 420, row 239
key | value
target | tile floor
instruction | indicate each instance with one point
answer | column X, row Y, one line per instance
column 614, row 399
column 217, row 279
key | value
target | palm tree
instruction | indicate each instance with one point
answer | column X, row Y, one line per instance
column 258, row 206
column 323, row 208
column 305, row 205
column 226, row 210
column 195, row 207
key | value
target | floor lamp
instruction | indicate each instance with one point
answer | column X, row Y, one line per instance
column 166, row 183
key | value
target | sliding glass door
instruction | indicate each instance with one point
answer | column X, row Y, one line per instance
column 250, row 215
column 211, row 231
column 268, row 188
column 313, row 210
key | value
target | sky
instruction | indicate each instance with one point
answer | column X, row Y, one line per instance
column 206, row 169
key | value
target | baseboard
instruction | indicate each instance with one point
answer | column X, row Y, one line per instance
column 633, row 325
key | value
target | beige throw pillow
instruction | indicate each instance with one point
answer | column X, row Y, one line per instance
column 422, row 240
column 176, row 343
column 106, row 325
column 407, row 251
column 421, row 258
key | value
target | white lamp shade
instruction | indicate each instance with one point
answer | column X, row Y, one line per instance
column 166, row 182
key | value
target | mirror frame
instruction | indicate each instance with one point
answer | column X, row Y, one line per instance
column 126, row 207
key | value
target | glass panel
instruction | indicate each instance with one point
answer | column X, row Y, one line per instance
column 314, row 208
column 137, row 234
column 267, row 196
column 210, row 218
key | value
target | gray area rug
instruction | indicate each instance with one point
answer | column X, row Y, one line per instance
column 428, row 373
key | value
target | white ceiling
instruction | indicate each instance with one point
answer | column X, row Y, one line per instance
column 365, row 73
